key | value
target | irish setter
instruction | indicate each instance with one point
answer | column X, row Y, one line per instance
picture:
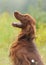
column 24, row 51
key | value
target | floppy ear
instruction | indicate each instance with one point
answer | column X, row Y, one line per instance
column 28, row 29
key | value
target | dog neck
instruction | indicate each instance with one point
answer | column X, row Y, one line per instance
column 26, row 37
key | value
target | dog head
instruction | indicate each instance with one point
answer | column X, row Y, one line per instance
column 27, row 23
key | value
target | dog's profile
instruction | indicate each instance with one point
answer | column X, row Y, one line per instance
column 24, row 51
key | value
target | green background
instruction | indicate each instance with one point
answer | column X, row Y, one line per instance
column 8, row 34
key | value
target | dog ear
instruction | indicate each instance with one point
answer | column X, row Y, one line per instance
column 28, row 29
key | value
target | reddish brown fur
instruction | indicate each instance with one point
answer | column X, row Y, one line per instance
column 24, row 50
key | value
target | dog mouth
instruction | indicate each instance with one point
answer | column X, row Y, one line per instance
column 17, row 24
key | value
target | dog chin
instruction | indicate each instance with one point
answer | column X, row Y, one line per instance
column 17, row 24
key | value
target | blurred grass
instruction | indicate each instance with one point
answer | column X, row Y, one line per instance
column 8, row 34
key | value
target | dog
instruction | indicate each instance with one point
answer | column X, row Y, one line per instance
column 24, row 51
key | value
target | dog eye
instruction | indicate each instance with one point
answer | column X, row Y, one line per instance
column 28, row 20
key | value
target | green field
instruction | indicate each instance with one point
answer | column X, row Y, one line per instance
column 8, row 34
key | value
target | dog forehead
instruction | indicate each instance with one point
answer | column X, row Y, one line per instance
column 29, row 16
column 26, row 15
